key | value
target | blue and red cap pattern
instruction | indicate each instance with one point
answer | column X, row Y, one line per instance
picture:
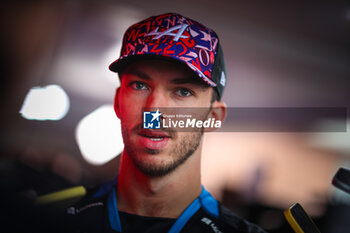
column 176, row 37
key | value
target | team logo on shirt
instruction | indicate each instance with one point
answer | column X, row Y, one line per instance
column 211, row 223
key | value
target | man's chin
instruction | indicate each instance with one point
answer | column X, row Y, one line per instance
column 152, row 151
column 154, row 170
column 154, row 163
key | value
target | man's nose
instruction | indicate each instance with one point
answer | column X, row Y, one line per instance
column 157, row 99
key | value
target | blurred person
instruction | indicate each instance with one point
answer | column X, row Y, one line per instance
column 166, row 61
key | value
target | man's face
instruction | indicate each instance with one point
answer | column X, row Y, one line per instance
column 158, row 84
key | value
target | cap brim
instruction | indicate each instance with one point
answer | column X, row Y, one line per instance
column 120, row 64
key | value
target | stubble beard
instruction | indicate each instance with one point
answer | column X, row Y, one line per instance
column 179, row 153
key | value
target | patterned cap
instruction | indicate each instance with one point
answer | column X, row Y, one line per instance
column 176, row 37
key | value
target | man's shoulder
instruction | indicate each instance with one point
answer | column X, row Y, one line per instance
column 95, row 200
column 226, row 222
column 242, row 225
column 89, row 204
column 88, row 215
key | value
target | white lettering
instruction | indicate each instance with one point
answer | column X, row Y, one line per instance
column 190, row 122
column 168, row 116
column 149, row 125
column 164, row 124
column 206, row 124
column 199, row 124
column 174, row 123
column 181, row 124
column 181, row 28
column 217, row 124
column 215, row 228
column 206, row 220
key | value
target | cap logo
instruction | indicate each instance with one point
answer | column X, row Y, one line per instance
column 223, row 79
column 169, row 32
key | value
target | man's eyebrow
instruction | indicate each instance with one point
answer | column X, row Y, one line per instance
column 139, row 74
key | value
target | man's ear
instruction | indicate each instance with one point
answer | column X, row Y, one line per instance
column 116, row 103
column 218, row 112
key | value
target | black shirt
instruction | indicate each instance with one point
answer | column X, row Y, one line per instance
column 99, row 213
column 135, row 224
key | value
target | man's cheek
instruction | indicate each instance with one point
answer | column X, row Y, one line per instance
column 130, row 116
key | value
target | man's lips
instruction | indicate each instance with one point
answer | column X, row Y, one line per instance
column 149, row 133
column 153, row 139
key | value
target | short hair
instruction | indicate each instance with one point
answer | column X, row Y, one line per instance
column 214, row 96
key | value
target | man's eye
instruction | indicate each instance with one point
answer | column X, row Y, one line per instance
column 183, row 92
column 138, row 85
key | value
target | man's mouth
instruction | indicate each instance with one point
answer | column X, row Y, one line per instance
column 153, row 134
column 153, row 139
column 156, row 139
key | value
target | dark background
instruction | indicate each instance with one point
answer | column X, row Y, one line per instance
column 277, row 53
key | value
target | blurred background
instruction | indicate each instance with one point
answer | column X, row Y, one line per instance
column 58, row 128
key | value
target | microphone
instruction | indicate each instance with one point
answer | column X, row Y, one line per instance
column 299, row 220
column 62, row 195
column 341, row 180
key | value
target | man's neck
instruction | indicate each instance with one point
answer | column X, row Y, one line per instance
column 165, row 196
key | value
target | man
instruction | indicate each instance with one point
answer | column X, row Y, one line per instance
column 167, row 61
